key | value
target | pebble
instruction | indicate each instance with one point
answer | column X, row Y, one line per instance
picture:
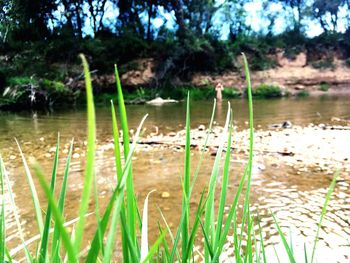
column 201, row 127
column 52, row 149
column 165, row 195
column 47, row 155
column 76, row 155
column 12, row 157
column 172, row 134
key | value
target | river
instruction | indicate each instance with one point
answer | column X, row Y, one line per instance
column 295, row 197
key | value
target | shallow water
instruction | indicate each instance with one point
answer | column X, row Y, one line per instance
column 296, row 199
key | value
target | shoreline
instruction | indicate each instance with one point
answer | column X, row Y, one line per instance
column 317, row 148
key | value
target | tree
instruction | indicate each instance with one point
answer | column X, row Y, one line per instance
column 323, row 9
column 297, row 8
column 97, row 11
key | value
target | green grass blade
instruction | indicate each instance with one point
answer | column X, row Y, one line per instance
column 198, row 215
column 2, row 216
column 209, row 222
column 174, row 249
column 276, row 254
column 118, row 164
column 45, row 237
column 90, row 157
column 166, row 255
column 97, row 214
column 16, row 215
column 230, row 216
column 144, row 233
column 224, row 186
column 154, row 248
column 187, row 175
column 117, row 194
column 8, row 256
column 130, row 193
column 246, row 208
column 207, row 241
column 323, row 213
column 203, row 149
column 56, row 234
column 284, row 241
column 37, row 208
column 111, row 236
column 262, row 246
column 249, row 248
column 305, row 254
column 72, row 255
column 117, row 155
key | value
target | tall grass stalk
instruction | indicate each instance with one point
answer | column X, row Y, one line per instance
column 90, row 158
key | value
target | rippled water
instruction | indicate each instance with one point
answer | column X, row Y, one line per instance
column 295, row 198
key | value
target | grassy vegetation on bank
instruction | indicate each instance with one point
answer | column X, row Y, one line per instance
column 123, row 213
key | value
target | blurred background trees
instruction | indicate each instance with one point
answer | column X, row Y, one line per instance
column 184, row 36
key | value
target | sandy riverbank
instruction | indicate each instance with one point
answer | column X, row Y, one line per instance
column 321, row 148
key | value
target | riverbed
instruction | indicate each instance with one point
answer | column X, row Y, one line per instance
column 290, row 175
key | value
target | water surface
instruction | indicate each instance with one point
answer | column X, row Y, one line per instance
column 296, row 199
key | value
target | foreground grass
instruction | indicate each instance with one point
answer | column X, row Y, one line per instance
column 58, row 244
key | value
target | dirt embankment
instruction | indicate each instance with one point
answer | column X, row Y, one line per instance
column 292, row 75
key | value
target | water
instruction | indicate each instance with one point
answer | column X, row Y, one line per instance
column 295, row 198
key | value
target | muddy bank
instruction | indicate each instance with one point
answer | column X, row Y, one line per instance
column 292, row 75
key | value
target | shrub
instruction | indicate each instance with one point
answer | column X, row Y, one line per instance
column 21, row 81
column 303, row 94
column 267, row 91
column 324, row 86
column 231, row 93
column 327, row 63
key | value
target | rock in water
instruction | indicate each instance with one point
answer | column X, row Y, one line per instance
column 159, row 101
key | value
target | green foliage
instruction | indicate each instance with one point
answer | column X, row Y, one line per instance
column 324, row 86
column 22, row 81
column 327, row 63
column 267, row 91
column 303, row 94
column 32, row 92
column 347, row 62
column 231, row 93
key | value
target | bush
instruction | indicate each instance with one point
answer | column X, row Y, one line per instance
column 324, row 86
column 21, row 81
column 267, row 91
column 231, row 93
column 327, row 63
column 303, row 94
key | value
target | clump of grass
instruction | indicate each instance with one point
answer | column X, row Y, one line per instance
column 267, row 91
column 123, row 212
column 231, row 93
column 303, row 94
column 324, row 86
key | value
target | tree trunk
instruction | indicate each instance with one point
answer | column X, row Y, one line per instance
column 150, row 15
